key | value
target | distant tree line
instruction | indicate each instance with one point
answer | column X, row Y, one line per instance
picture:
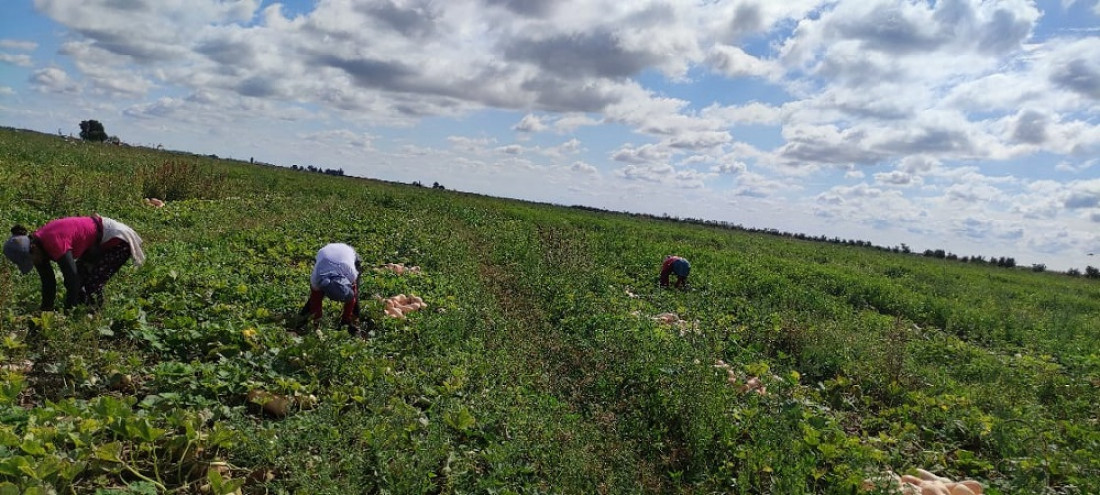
column 326, row 171
column 1003, row 262
column 435, row 185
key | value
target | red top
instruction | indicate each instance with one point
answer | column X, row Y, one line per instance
column 64, row 234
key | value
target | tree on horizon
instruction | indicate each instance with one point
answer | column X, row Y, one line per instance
column 92, row 130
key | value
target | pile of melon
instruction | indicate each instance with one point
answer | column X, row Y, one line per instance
column 672, row 319
column 400, row 305
column 399, row 269
column 279, row 405
column 25, row 366
column 752, row 384
column 667, row 318
column 925, row 483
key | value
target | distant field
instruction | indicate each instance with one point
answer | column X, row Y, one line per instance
column 536, row 368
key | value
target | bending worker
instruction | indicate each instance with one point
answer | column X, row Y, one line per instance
column 677, row 265
column 89, row 251
column 336, row 276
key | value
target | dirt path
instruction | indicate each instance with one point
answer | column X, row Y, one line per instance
column 561, row 369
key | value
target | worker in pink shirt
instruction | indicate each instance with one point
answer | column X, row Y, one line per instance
column 677, row 265
column 89, row 251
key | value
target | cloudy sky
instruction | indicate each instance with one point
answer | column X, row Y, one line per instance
column 957, row 124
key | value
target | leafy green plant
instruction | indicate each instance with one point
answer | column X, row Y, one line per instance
column 178, row 180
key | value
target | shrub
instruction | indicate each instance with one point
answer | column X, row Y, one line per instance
column 173, row 181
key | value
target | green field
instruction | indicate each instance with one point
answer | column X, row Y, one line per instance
column 537, row 367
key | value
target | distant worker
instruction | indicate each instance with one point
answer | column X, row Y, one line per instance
column 336, row 276
column 677, row 265
column 89, row 251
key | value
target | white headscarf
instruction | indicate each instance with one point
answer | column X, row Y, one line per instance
column 114, row 229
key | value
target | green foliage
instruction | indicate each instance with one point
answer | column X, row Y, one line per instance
column 92, row 130
column 537, row 366
column 176, row 180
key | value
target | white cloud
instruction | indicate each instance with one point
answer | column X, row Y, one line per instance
column 142, row 29
column 572, row 121
column 1083, row 194
column 827, row 144
column 896, row 178
column 916, row 28
column 53, row 80
column 105, row 71
column 530, row 123
column 583, row 168
column 164, row 107
column 569, row 147
column 1000, row 91
column 1063, row 241
column 647, row 153
column 981, row 228
column 475, row 145
column 972, row 193
column 1074, row 66
column 691, row 179
column 918, row 164
column 1040, row 200
column 1040, row 130
column 730, row 167
column 892, row 79
column 751, row 113
column 341, row 138
column 1076, row 166
column 20, row 60
column 755, row 185
column 511, row 149
column 733, row 62
column 878, row 209
column 647, row 172
column 21, row 45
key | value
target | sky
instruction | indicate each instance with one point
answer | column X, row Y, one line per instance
column 965, row 125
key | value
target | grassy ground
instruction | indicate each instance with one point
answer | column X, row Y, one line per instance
column 536, row 368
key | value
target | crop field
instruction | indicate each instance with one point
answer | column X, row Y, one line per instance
column 538, row 366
